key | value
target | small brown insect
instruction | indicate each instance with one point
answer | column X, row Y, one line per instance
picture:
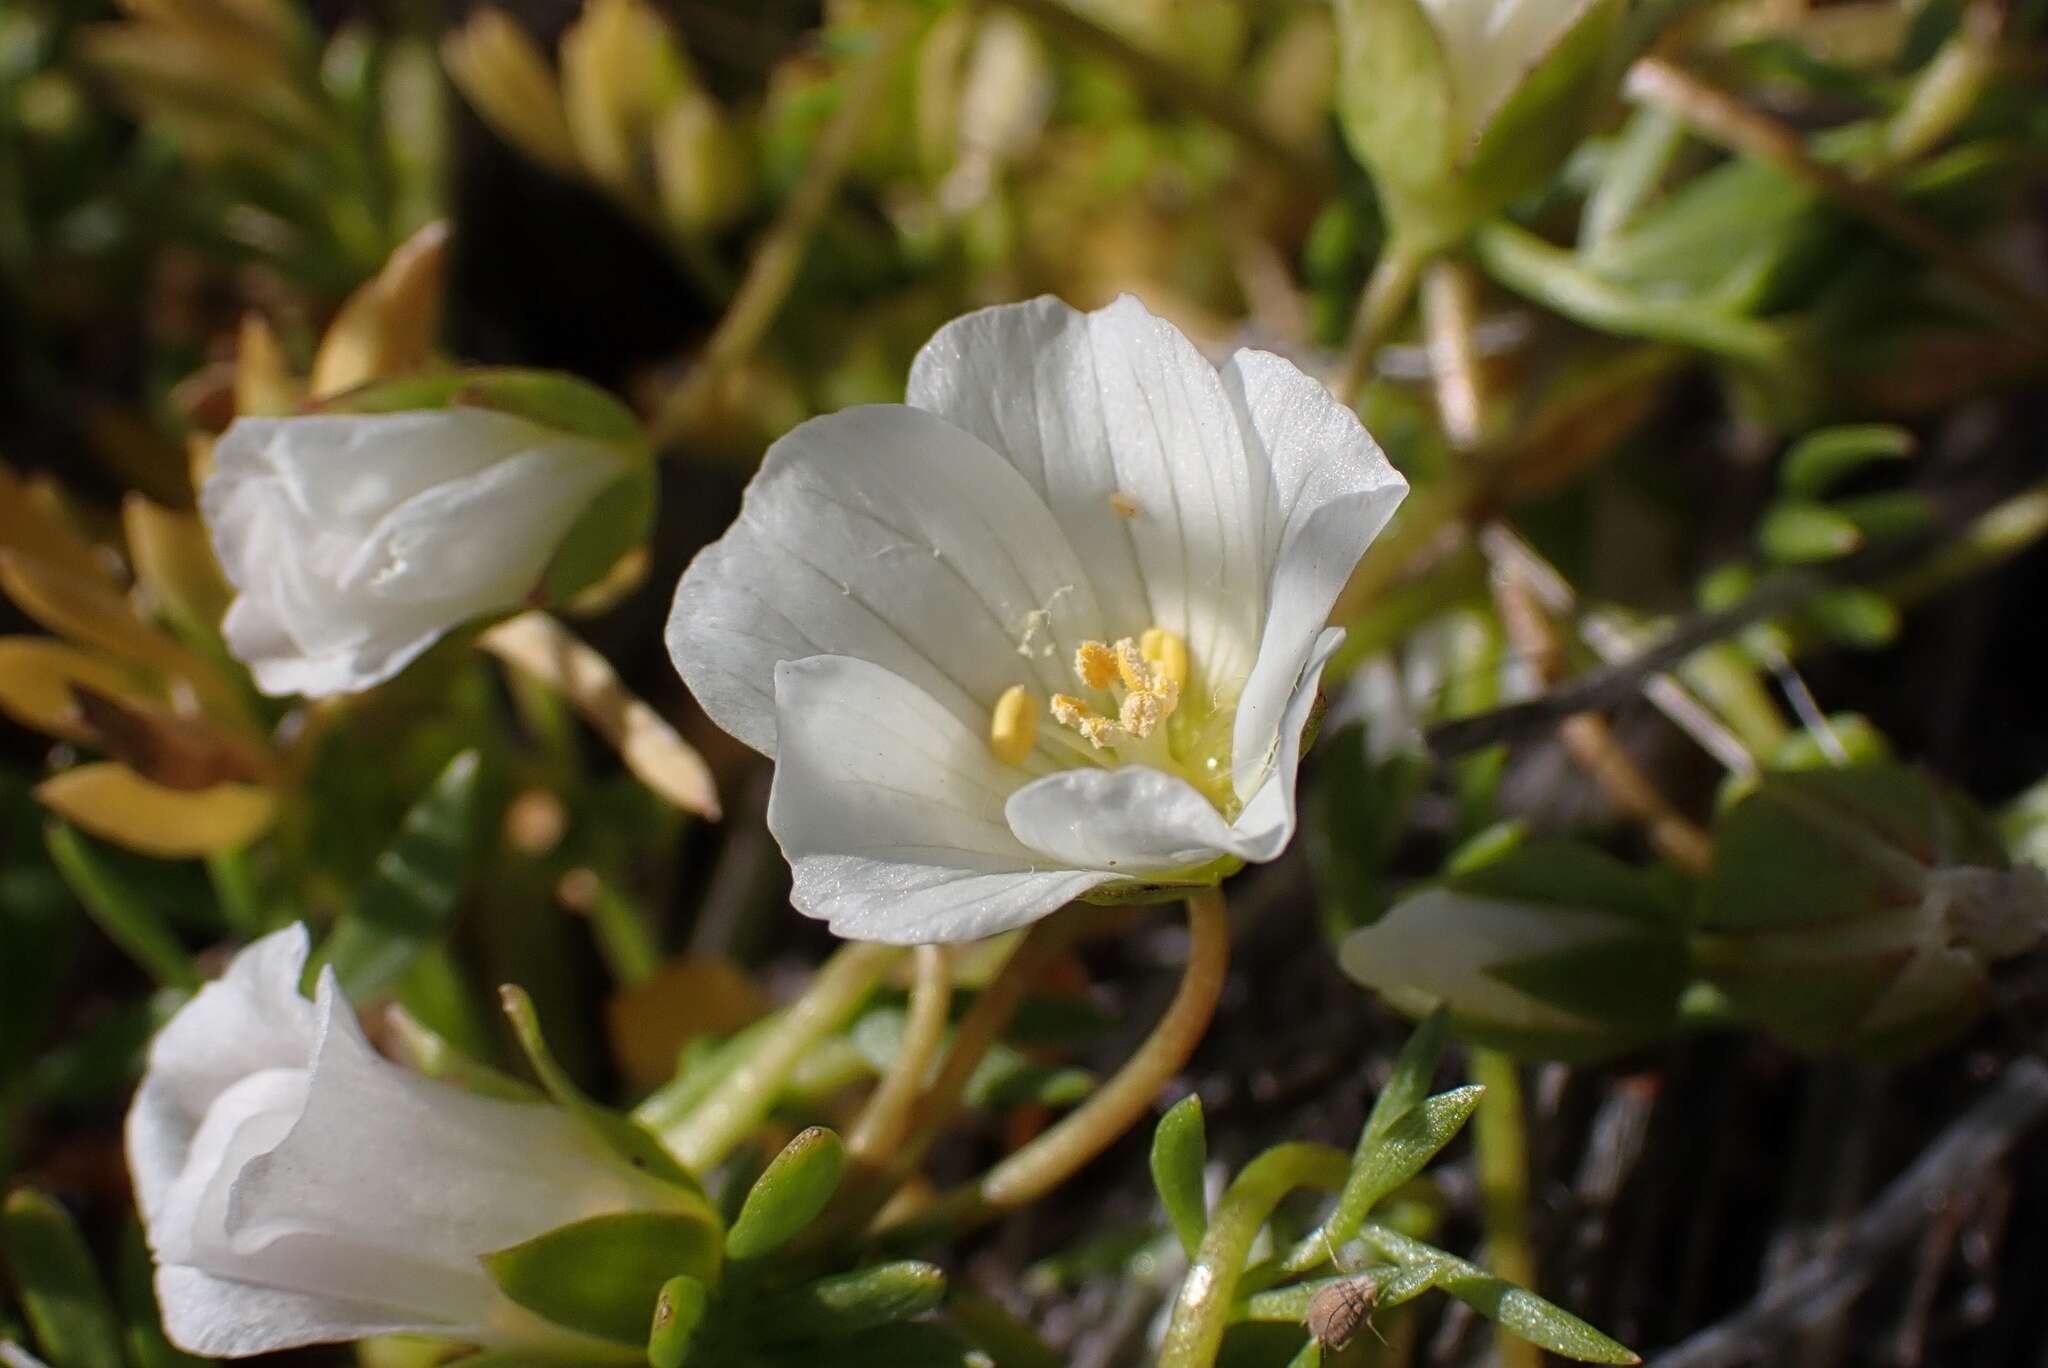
column 1339, row 1311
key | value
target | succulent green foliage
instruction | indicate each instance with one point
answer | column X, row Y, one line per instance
column 604, row 1276
column 1180, row 1151
column 408, row 900
column 65, row 1302
column 789, row 1194
column 678, row 1311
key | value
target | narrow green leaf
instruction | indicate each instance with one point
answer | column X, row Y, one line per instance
column 1888, row 516
column 678, row 1311
column 604, row 1276
column 622, row 1135
column 1799, row 533
column 847, row 1303
column 1820, row 459
column 1855, row 617
column 117, row 909
column 1516, row 1310
column 61, row 1294
column 1408, row 1084
column 789, row 1194
column 1180, row 1150
column 413, row 888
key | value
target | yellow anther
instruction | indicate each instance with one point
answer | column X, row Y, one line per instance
column 1013, row 726
column 1132, row 668
column 1142, row 713
column 1095, row 665
column 1100, row 732
column 1166, row 650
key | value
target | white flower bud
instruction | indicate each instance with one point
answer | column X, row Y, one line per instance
column 354, row 541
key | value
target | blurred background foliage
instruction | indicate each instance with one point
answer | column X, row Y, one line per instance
column 1746, row 372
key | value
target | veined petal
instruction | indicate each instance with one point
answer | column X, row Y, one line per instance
column 885, row 533
column 1119, row 403
column 890, row 811
column 225, row 1318
column 250, row 1019
column 1333, row 491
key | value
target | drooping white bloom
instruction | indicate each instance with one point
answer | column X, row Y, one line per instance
column 355, row 540
column 1491, row 46
column 298, row 1188
column 1055, row 624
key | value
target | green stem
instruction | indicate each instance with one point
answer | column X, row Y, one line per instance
column 1202, row 1310
column 1501, row 1146
column 1385, row 299
column 741, row 1101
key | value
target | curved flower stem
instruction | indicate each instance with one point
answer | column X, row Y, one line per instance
column 724, row 1119
column 886, row 1117
column 540, row 647
column 773, row 269
column 1051, row 1158
column 1117, row 1105
column 1386, row 296
column 1202, row 1310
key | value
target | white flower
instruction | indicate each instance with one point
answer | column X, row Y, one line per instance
column 1055, row 624
column 355, row 540
column 1491, row 46
column 298, row 1188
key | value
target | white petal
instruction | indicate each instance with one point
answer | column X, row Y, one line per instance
column 1438, row 944
column 481, row 542
column 1333, row 491
column 1142, row 822
column 390, row 1185
column 887, row 534
column 251, row 1019
column 224, row 1318
column 354, row 468
column 1119, row 402
column 890, row 811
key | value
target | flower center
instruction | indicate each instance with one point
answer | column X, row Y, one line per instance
column 1138, row 713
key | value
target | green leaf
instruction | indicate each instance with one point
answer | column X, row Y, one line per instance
column 604, row 1276
column 118, row 909
column 1408, row 1084
column 1528, row 137
column 61, row 1294
column 1394, row 100
column 1180, row 1150
column 1567, row 874
column 1795, row 532
column 613, row 525
column 623, row 1136
column 550, row 398
column 1631, row 983
column 1820, row 459
column 1889, row 516
column 1855, row 617
column 847, row 1303
column 413, row 887
column 789, row 1194
column 1383, row 1162
column 678, row 1311
column 1516, row 1310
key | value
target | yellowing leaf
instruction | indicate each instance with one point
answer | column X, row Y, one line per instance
column 31, row 523
column 116, row 804
column 388, row 326
column 174, row 564
column 185, row 755
column 92, row 614
column 501, row 72
column 265, row 386
column 36, row 680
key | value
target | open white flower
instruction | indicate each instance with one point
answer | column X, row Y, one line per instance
column 355, row 541
column 298, row 1188
column 1055, row 624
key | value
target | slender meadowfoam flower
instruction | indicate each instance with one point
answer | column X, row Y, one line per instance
column 1052, row 628
column 298, row 1188
column 355, row 541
